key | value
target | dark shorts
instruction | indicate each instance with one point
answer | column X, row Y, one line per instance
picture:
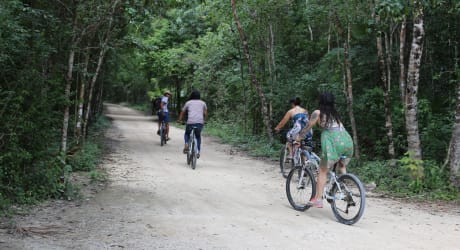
column 163, row 116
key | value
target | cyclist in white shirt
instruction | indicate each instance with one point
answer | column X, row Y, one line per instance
column 163, row 113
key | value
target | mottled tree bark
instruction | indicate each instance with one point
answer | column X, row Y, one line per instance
column 402, row 65
column 413, row 78
column 81, row 101
column 454, row 148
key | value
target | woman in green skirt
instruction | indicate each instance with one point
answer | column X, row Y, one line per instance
column 336, row 143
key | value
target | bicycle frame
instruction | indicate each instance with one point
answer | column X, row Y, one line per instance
column 328, row 186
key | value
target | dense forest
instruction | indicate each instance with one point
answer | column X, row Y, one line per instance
column 393, row 66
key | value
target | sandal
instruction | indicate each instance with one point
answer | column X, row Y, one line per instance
column 315, row 203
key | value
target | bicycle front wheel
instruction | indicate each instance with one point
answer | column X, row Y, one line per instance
column 349, row 199
column 285, row 167
column 300, row 187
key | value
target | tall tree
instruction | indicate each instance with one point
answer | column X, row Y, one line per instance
column 454, row 149
column 385, row 78
column 349, row 81
column 402, row 64
column 254, row 81
column 413, row 78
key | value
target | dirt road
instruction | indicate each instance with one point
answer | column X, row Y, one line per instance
column 155, row 201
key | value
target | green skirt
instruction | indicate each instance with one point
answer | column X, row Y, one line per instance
column 334, row 145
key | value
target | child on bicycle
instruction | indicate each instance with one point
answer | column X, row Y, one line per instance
column 299, row 116
column 335, row 142
column 197, row 112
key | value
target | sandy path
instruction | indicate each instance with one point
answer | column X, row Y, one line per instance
column 155, row 201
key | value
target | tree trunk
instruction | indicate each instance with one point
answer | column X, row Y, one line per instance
column 454, row 147
column 402, row 65
column 349, row 89
column 93, row 83
column 81, row 101
column 254, row 82
column 413, row 78
column 384, row 67
column 68, row 86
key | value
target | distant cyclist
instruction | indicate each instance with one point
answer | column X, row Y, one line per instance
column 163, row 113
column 299, row 116
column 197, row 112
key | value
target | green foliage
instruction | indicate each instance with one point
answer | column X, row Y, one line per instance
column 234, row 135
column 85, row 159
column 408, row 177
column 97, row 176
column 415, row 170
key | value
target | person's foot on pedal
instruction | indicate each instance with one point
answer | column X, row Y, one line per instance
column 315, row 203
column 185, row 149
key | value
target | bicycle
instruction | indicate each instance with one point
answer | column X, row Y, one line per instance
column 344, row 192
column 162, row 133
column 299, row 151
column 301, row 180
column 192, row 152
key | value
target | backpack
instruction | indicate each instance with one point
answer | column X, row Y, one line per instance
column 156, row 104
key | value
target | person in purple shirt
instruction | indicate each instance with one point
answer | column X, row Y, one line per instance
column 197, row 112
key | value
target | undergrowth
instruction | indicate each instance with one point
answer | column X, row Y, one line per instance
column 51, row 176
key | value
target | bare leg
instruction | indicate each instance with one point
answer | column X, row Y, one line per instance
column 167, row 130
column 321, row 182
column 342, row 167
column 289, row 145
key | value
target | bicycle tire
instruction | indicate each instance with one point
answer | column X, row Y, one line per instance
column 285, row 167
column 189, row 152
column 194, row 152
column 189, row 156
column 300, row 188
column 162, row 135
column 353, row 196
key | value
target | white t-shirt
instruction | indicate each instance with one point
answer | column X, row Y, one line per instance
column 164, row 99
column 195, row 109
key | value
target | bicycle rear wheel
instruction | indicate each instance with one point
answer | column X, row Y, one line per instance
column 349, row 200
column 285, row 167
column 194, row 152
column 300, row 187
column 162, row 135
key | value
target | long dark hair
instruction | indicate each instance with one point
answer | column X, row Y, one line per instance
column 327, row 109
column 296, row 101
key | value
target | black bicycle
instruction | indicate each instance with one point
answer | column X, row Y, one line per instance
column 162, row 133
column 192, row 153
